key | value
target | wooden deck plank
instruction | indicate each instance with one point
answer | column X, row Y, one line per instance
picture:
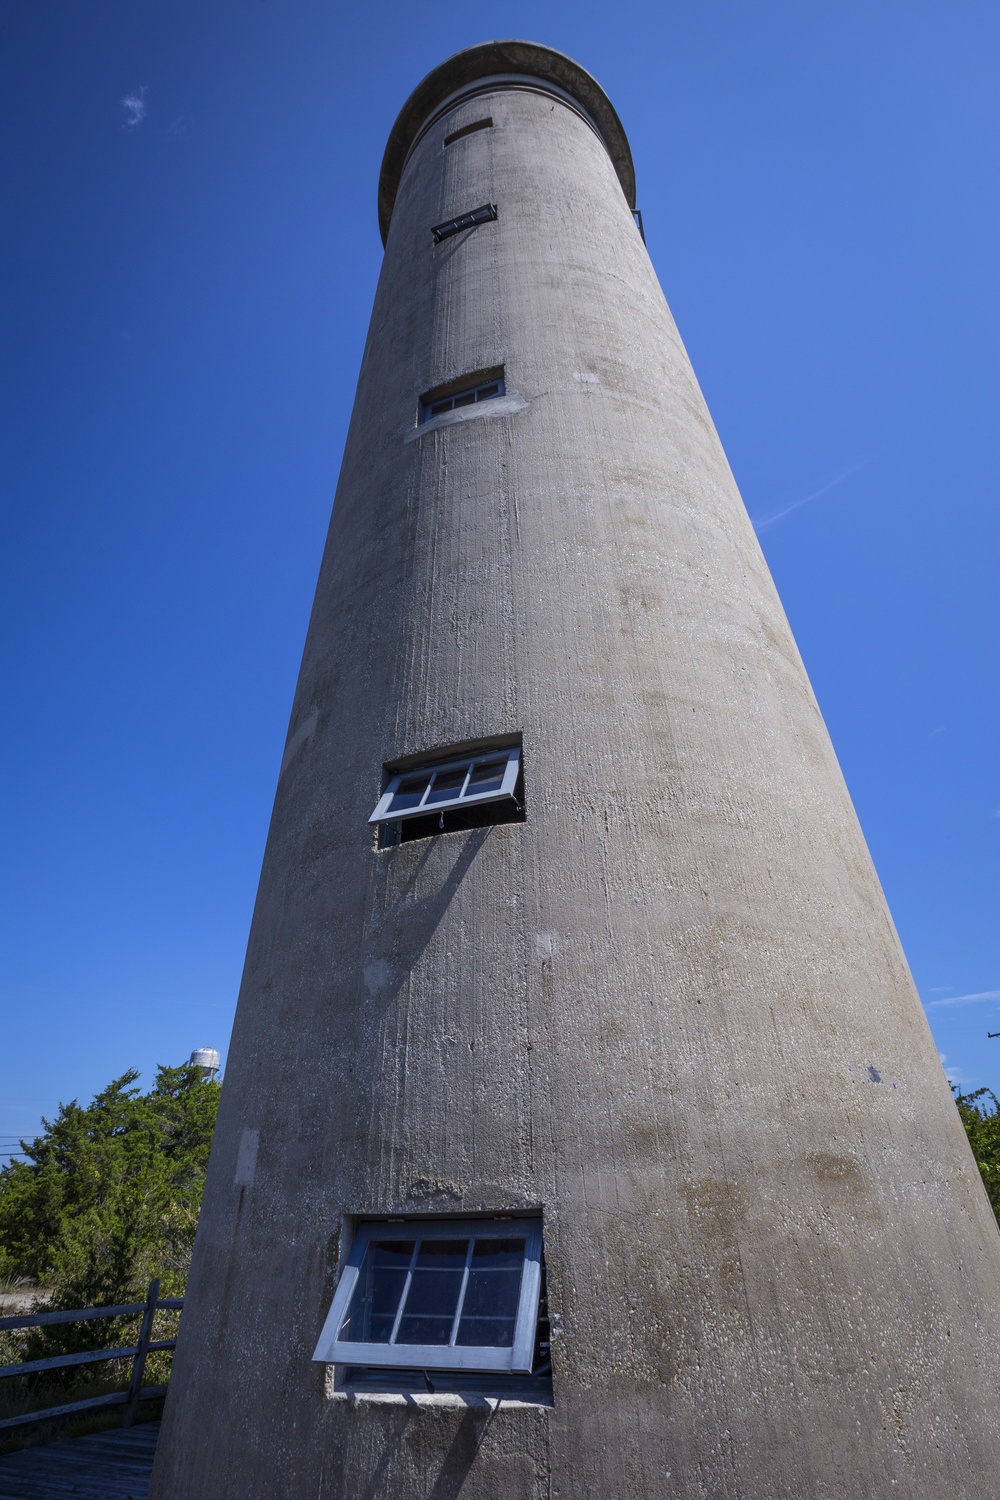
column 112, row 1465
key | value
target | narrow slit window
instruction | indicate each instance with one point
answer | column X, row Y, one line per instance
column 470, row 129
column 476, row 216
column 490, row 776
column 452, row 1295
column 434, row 406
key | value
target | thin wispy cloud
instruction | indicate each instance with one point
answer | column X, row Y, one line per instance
column 134, row 105
column 764, row 522
column 967, row 999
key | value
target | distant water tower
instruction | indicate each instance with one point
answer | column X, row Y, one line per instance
column 582, row 1135
column 207, row 1059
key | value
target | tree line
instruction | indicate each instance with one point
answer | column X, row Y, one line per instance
column 108, row 1195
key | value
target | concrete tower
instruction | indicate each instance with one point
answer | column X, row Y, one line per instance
column 612, row 1011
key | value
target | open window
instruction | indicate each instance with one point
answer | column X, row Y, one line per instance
column 442, row 1295
column 468, row 791
column 485, row 214
column 470, row 392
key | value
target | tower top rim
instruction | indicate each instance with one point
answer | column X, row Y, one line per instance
column 516, row 59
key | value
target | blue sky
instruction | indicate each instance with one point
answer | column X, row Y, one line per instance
column 190, row 251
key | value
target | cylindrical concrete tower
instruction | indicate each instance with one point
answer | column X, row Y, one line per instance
column 601, row 1028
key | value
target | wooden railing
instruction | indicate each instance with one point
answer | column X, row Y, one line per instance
column 136, row 1353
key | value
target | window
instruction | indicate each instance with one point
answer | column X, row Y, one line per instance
column 434, row 404
column 460, row 786
column 450, row 1295
column 464, row 130
column 475, row 216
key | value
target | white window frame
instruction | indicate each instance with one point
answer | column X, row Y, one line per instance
column 424, row 808
column 514, row 1360
column 428, row 403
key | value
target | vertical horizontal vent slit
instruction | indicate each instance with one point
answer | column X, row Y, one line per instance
column 464, row 130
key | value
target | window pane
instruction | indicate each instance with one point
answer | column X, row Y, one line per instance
column 485, row 1333
column 439, row 407
column 447, row 785
column 490, row 1307
column 434, row 1290
column 409, row 792
column 372, row 1309
column 487, row 776
column 466, row 398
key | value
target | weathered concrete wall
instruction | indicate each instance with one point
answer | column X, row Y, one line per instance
column 670, row 1007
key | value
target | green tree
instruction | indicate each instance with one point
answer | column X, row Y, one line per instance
column 980, row 1112
column 110, row 1192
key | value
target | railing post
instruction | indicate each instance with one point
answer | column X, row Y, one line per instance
column 139, row 1361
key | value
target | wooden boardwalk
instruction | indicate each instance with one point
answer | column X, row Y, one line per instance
column 112, row 1465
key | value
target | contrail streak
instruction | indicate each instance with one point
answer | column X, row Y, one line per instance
column 779, row 515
